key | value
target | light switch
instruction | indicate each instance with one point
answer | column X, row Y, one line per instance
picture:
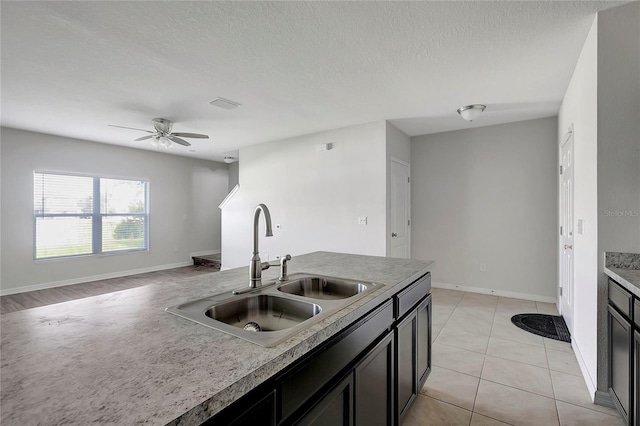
column 580, row 226
column 362, row 220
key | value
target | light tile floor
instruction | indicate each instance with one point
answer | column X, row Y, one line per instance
column 487, row 371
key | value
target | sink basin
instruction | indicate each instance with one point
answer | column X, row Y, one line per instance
column 274, row 312
column 270, row 313
column 323, row 288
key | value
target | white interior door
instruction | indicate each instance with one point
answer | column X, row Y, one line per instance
column 566, row 229
column 400, row 209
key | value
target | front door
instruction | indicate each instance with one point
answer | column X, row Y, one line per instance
column 566, row 229
column 400, row 209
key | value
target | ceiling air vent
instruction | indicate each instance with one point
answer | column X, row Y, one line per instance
column 224, row 103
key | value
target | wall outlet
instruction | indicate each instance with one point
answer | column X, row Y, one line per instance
column 362, row 220
column 483, row 267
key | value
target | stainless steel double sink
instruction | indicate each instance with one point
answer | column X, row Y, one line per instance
column 276, row 311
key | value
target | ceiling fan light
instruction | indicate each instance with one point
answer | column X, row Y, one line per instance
column 154, row 143
column 165, row 142
column 471, row 112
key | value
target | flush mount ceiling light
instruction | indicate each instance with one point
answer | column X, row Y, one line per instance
column 229, row 159
column 471, row 112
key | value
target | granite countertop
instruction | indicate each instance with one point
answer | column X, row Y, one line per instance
column 625, row 269
column 628, row 278
column 119, row 358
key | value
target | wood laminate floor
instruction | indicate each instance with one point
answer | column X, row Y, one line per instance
column 34, row 299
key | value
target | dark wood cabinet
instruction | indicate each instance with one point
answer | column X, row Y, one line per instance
column 374, row 385
column 334, row 408
column 406, row 364
column 255, row 409
column 424, row 340
column 636, row 378
column 622, row 349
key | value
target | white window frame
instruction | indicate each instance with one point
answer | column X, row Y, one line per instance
column 96, row 218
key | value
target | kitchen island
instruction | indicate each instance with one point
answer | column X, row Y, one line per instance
column 119, row 358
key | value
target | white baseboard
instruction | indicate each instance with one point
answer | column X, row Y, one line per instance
column 492, row 292
column 585, row 373
column 204, row 253
column 42, row 286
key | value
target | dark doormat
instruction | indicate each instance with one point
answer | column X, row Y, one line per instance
column 550, row 326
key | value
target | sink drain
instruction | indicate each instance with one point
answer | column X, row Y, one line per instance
column 252, row 326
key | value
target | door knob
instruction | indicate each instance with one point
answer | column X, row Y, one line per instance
column 568, row 247
column 393, row 234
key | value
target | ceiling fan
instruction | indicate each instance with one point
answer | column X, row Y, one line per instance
column 162, row 137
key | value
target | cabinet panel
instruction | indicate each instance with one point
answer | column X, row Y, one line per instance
column 636, row 379
column 374, row 380
column 620, row 336
column 406, row 374
column 334, row 409
column 251, row 410
column 424, row 341
column 620, row 298
column 407, row 298
column 299, row 386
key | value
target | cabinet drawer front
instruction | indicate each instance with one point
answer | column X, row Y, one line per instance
column 620, row 298
column 301, row 385
column 407, row 298
column 636, row 316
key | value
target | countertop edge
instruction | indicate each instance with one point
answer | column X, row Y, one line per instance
column 617, row 274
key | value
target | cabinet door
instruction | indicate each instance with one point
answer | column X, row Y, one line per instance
column 424, row 341
column 620, row 336
column 374, row 385
column 333, row 409
column 406, row 372
column 245, row 413
column 636, row 375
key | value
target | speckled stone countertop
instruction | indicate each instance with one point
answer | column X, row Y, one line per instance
column 625, row 269
column 119, row 358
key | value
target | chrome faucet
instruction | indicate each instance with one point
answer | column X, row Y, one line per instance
column 256, row 267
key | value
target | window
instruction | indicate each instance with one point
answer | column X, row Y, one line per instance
column 84, row 215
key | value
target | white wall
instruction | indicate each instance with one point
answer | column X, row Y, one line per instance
column 618, row 146
column 183, row 218
column 316, row 197
column 398, row 146
column 233, row 175
column 579, row 107
column 488, row 195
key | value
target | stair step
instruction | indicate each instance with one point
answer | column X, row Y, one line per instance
column 211, row 260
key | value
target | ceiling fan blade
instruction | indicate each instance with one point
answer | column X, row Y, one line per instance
column 178, row 140
column 191, row 135
column 144, row 138
column 130, row 128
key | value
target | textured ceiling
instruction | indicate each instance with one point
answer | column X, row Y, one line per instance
column 72, row 68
